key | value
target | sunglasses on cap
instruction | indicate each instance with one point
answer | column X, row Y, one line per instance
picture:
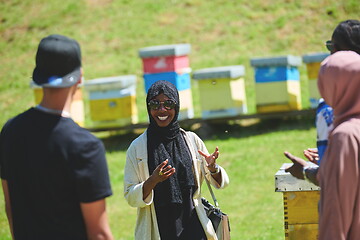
column 167, row 104
column 329, row 45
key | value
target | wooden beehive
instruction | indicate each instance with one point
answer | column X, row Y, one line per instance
column 222, row 91
column 313, row 62
column 112, row 101
column 277, row 83
column 186, row 104
column 165, row 58
column 300, row 199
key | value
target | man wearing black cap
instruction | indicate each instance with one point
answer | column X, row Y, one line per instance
column 54, row 173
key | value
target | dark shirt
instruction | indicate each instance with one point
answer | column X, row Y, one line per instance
column 51, row 165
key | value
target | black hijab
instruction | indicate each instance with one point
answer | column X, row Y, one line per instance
column 168, row 143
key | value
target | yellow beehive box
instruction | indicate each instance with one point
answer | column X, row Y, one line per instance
column 300, row 199
column 314, row 94
column 112, row 101
column 313, row 62
column 278, row 96
column 222, row 91
column 76, row 108
column 186, row 104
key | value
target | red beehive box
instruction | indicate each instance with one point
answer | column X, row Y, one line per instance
column 165, row 64
column 165, row 58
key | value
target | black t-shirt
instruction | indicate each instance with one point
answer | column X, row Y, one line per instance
column 51, row 165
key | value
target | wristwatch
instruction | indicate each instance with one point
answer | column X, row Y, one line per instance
column 304, row 171
column 217, row 169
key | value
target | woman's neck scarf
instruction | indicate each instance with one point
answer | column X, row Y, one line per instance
column 168, row 143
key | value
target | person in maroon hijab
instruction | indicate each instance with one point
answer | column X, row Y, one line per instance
column 339, row 173
column 346, row 37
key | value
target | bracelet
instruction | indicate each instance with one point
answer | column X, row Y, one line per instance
column 217, row 170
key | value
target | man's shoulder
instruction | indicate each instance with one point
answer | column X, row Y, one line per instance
column 79, row 134
column 16, row 120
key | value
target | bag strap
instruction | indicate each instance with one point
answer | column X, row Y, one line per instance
column 210, row 189
column 191, row 137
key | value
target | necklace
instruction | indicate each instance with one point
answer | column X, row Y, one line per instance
column 53, row 111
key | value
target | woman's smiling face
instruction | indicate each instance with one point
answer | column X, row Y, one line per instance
column 162, row 115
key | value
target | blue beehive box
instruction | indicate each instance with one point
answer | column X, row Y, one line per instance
column 277, row 83
column 275, row 74
column 181, row 81
column 276, row 69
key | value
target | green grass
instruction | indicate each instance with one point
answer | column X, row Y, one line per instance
column 220, row 33
column 251, row 155
column 111, row 32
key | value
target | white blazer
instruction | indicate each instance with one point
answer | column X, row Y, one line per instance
column 137, row 172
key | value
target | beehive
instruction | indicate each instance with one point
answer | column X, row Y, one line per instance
column 277, row 83
column 300, row 199
column 222, row 91
column 313, row 62
column 165, row 58
column 76, row 107
column 112, row 101
column 170, row 63
column 186, row 104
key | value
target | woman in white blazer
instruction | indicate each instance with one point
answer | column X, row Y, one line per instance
column 164, row 169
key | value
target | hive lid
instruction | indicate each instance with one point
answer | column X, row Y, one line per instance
column 106, row 83
column 220, row 72
column 285, row 182
column 165, row 50
column 315, row 57
column 288, row 60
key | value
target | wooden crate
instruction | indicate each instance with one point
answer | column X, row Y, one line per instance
column 222, row 91
column 300, row 200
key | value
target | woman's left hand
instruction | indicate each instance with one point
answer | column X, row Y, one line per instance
column 211, row 159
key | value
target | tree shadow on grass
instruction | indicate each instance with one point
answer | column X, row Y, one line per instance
column 257, row 127
column 120, row 141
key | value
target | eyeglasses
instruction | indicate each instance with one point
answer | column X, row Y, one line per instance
column 329, row 45
column 167, row 104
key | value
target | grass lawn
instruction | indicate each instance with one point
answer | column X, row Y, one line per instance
column 221, row 33
column 251, row 155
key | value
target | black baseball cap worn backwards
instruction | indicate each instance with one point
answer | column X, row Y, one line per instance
column 58, row 62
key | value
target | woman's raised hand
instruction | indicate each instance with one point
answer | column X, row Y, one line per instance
column 211, row 159
column 163, row 171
